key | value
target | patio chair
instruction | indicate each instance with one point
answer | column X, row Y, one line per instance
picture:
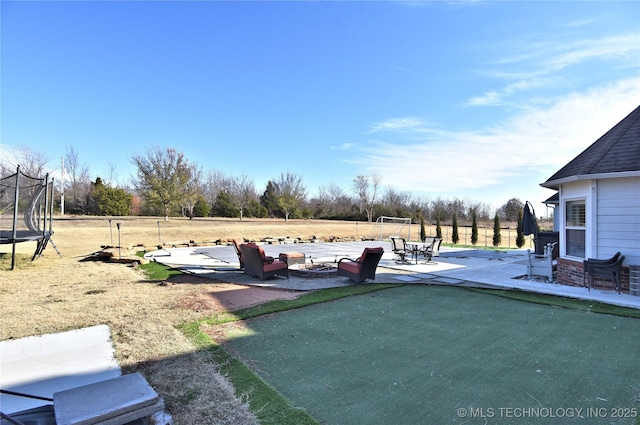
column 399, row 247
column 432, row 250
column 362, row 268
column 256, row 263
column 608, row 268
column 236, row 246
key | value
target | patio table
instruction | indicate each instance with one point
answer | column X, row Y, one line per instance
column 415, row 248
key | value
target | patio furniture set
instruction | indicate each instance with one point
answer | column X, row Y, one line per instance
column 544, row 265
column 254, row 262
column 428, row 248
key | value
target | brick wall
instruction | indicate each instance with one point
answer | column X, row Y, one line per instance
column 571, row 273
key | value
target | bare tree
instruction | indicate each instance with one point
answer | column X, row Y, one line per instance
column 321, row 204
column 32, row 163
column 242, row 192
column 457, row 208
column 439, row 208
column 340, row 201
column 78, row 185
column 397, row 202
column 214, row 183
column 366, row 188
column 112, row 176
column 290, row 192
column 190, row 191
column 166, row 178
column 482, row 210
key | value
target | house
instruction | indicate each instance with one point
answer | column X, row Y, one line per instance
column 598, row 209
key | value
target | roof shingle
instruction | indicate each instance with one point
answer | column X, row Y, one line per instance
column 618, row 150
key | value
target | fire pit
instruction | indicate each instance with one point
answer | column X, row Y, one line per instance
column 313, row 270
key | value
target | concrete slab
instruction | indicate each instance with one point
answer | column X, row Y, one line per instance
column 113, row 401
column 448, row 280
column 406, row 278
column 44, row 365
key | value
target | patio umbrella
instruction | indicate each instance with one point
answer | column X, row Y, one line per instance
column 529, row 222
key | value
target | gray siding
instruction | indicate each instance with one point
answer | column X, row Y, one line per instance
column 618, row 222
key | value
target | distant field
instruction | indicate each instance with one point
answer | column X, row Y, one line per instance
column 79, row 235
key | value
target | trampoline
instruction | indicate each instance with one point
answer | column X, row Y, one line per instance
column 26, row 210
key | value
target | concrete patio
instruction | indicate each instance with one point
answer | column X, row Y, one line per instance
column 505, row 269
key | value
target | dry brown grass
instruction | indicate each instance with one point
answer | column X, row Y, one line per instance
column 55, row 294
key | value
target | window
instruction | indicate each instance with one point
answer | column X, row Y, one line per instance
column 575, row 227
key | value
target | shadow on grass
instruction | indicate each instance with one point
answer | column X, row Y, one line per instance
column 21, row 261
column 266, row 402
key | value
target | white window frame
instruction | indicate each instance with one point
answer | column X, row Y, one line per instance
column 586, row 190
column 579, row 227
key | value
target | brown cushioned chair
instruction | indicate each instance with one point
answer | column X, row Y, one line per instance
column 236, row 246
column 362, row 268
column 256, row 263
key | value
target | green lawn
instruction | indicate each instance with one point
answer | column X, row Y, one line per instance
column 430, row 354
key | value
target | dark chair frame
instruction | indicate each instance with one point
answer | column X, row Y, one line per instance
column 256, row 263
column 609, row 268
column 365, row 267
column 432, row 250
column 399, row 247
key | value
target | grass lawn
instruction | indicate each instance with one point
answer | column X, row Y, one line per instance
column 429, row 354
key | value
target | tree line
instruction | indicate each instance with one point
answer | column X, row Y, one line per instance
column 168, row 184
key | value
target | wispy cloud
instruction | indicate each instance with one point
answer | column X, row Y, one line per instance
column 541, row 64
column 581, row 22
column 533, row 143
column 399, row 124
column 623, row 47
column 488, row 98
column 344, row 146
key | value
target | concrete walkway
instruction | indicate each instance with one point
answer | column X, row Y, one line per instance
column 43, row 365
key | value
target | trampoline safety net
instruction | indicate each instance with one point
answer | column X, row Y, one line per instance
column 26, row 209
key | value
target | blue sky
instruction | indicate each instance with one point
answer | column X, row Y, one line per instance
column 475, row 100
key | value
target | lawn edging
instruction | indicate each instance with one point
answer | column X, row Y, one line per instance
column 588, row 306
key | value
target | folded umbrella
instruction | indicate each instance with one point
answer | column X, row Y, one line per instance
column 529, row 222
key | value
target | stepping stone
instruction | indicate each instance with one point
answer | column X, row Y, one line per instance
column 112, row 402
column 425, row 276
column 449, row 280
column 404, row 278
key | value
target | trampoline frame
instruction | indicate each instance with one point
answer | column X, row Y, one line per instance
column 37, row 215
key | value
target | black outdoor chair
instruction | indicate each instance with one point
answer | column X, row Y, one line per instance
column 432, row 250
column 399, row 247
column 609, row 268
